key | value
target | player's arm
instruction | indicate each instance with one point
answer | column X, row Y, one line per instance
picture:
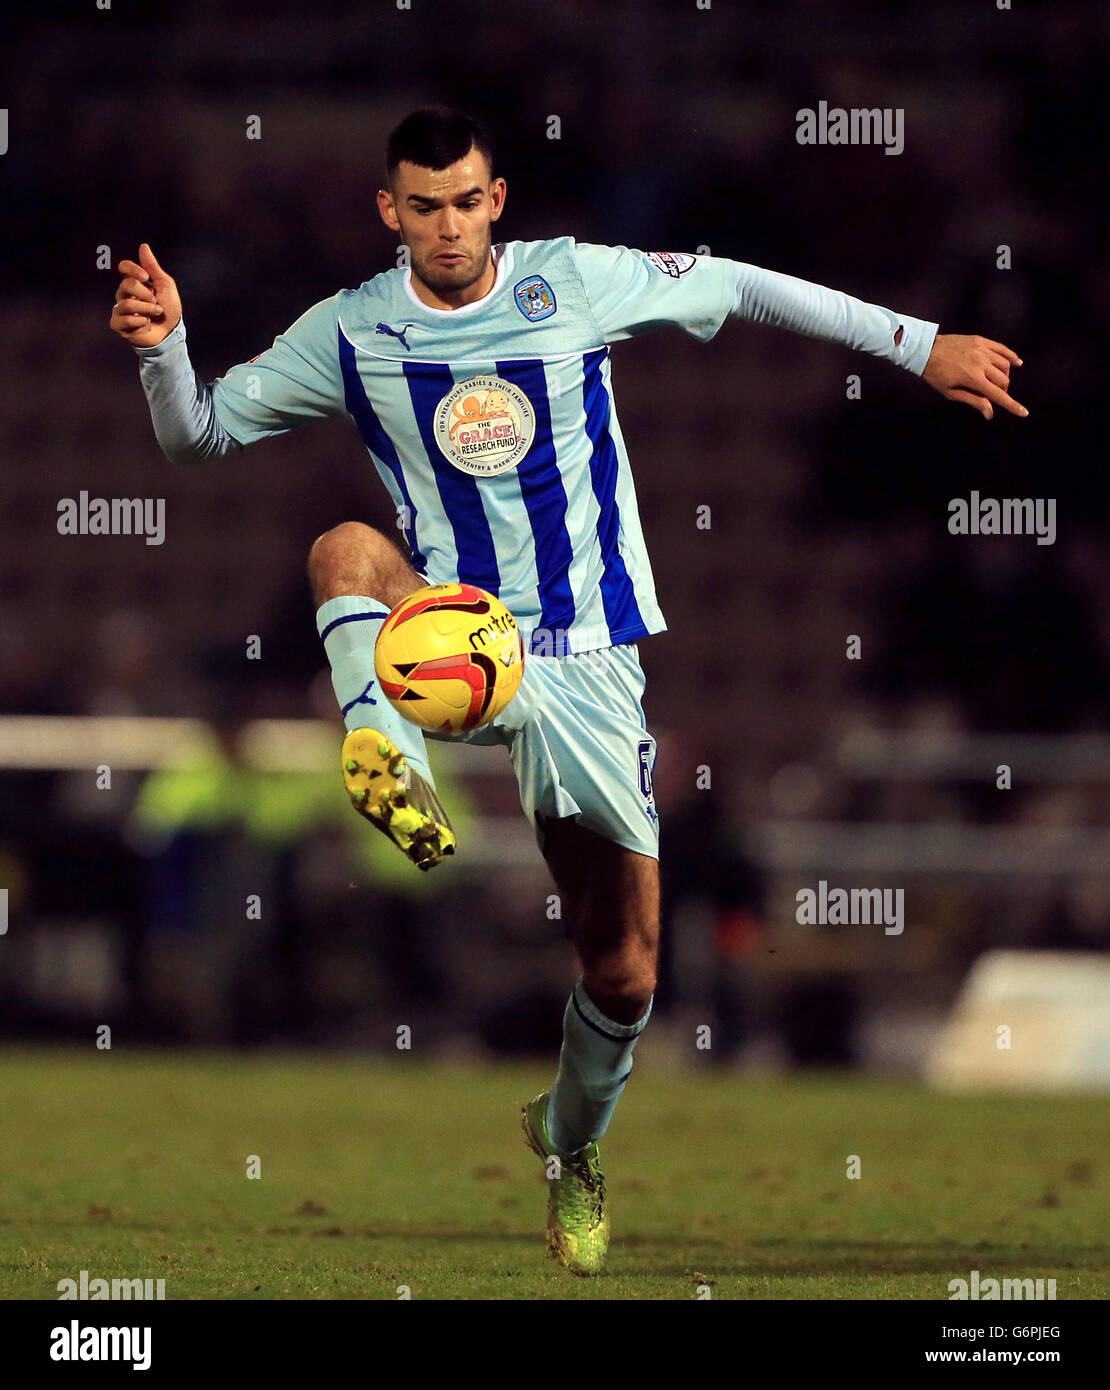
column 630, row 291
column 293, row 382
column 147, row 314
column 961, row 367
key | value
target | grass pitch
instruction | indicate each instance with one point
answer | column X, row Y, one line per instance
column 376, row 1175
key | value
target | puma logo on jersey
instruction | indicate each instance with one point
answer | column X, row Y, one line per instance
column 398, row 333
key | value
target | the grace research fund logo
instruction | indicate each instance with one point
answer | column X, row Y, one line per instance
column 485, row 425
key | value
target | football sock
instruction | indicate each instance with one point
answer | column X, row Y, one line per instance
column 349, row 627
column 594, row 1064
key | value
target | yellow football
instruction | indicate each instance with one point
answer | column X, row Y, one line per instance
column 450, row 657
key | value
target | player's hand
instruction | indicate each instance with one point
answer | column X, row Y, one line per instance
column 147, row 305
column 973, row 370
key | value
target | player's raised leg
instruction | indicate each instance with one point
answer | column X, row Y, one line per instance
column 612, row 899
column 357, row 575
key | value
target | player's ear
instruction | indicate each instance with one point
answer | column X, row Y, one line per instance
column 387, row 210
column 497, row 191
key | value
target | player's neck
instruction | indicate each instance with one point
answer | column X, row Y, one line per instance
column 455, row 299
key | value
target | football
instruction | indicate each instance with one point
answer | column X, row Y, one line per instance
column 450, row 657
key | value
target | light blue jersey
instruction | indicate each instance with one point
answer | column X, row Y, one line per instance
column 493, row 425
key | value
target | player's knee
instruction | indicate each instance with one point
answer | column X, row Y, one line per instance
column 351, row 552
column 339, row 544
column 626, row 978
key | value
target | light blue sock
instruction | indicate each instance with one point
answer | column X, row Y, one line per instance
column 349, row 627
column 594, row 1064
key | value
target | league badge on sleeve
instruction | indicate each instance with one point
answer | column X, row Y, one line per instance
column 672, row 263
column 535, row 298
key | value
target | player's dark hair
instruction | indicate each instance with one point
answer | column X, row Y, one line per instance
column 434, row 137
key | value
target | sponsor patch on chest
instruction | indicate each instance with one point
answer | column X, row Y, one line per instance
column 485, row 425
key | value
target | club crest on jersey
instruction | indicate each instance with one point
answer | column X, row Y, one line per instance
column 672, row 263
column 535, row 298
column 484, row 425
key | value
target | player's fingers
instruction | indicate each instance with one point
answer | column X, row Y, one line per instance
column 133, row 308
column 128, row 322
column 150, row 263
column 133, row 289
column 133, row 269
column 997, row 377
column 139, row 306
column 997, row 360
column 1006, row 401
column 1006, row 352
column 978, row 403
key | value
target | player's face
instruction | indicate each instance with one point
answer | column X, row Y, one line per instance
column 444, row 217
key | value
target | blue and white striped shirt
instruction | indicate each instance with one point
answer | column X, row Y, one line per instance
column 493, row 425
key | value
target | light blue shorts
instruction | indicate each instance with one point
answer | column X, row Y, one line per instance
column 575, row 732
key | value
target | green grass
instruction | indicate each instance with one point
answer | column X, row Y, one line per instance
column 379, row 1174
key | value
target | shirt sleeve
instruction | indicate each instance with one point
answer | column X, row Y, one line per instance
column 297, row 380
column 180, row 403
column 765, row 296
column 630, row 292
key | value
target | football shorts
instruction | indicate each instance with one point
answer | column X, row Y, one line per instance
column 576, row 736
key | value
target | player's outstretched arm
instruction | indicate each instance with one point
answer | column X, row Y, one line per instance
column 295, row 381
column 630, row 291
column 147, row 314
column 969, row 369
column 147, row 307
column 973, row 370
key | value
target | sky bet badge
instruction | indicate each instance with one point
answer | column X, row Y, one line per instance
column 535, row 298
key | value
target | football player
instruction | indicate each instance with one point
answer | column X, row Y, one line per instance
column 478, row 378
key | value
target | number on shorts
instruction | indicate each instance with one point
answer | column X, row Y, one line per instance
column 646, row 767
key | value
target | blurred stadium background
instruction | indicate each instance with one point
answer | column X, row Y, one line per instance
column 126, row 904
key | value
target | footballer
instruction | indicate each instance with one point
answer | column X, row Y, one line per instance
column 540, row 512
